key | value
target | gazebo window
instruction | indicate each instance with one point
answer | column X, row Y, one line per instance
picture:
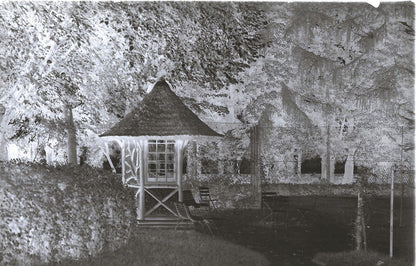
column 161, row 161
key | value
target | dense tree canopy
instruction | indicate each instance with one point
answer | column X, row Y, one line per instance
column 100, row 58
column 344, row 69
column 340, row 75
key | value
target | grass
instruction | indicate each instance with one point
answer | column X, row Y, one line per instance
column 170, row 247
column 357, row 258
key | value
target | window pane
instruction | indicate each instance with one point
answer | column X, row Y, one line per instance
column 152, row 147
column 152, row 167
column 161, row 165
column 161, row 147
column 170, row 157
column 152, row 175
column 170, row 148
column 152, row 156
column 161, row 157
column 169, row 175
column 161, row 172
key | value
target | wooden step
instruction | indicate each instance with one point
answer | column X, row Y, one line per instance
column 158, row 222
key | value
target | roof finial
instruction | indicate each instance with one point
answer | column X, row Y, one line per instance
column 163, row 82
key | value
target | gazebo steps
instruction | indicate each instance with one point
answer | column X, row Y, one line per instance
column 159, row 222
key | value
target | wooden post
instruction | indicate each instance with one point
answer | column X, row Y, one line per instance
column 198, row 161
column 401, row 199
column 179, row 162
column 107, row 154
column 123, row 155
column 193, row 162
column 401, row 184
column 179, row 146
column 391, row 212
column 358, row 221
column 142, row 147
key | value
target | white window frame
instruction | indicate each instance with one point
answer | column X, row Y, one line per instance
column 161, row 166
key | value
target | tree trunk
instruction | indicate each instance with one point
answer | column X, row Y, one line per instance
column 328, row 152
column 72, row 138
column 255, row 167
column 220, row 166
column 327, row 167
column 323, row 167
column 349, row 168
column 3, row 142
column 3, row 148
column 360, row 232
column 332, row 169
column 327, row 159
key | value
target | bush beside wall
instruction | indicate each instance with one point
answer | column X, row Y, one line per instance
column 48, row 214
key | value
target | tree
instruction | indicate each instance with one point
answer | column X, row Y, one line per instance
column 327, row 47
column 120, row 48
column 350, row 61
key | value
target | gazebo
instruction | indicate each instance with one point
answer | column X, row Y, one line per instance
column 152, row 139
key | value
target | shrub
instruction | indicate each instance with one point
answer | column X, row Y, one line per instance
column 48, row 214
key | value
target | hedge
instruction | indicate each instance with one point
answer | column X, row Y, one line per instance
column 49, row 214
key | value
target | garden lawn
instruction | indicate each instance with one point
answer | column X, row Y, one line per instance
column 170, row 247
column 356, row 258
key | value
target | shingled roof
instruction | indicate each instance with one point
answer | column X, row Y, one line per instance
column 161, row 113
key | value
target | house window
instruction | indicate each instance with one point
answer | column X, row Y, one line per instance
column 209, row 166
column 245, row 166
column 161, row 161
column 339, row 167
column 311, row 166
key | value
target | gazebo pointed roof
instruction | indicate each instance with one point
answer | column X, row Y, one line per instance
column 161, row 113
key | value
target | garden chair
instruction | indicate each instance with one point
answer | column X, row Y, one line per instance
column 275, row 206
column 189, row 200
column 185, row 216
column 205, row 198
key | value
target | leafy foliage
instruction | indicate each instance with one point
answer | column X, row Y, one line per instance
column 99, row 58
column 337, row 69
column 67, row 212
column 322, row 66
